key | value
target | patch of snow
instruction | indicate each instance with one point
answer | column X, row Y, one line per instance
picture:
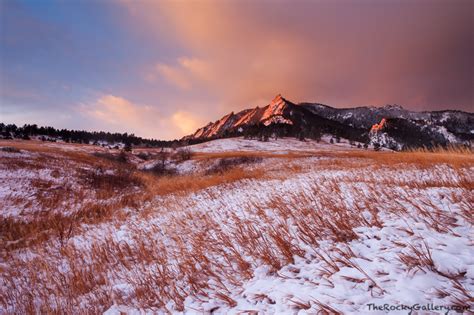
column 282, row 145
column 277, row 120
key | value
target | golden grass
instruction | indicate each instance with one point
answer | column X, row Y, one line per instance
column 162, row 273
column 420, row 158
column 125, row 187
column 197, row 254
column 107, row 186
column 455, row 157
column 191, row 183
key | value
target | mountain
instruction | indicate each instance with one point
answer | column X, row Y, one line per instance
column 454, row 121
column 272, row 113
column 391, row 125
column 279, row 118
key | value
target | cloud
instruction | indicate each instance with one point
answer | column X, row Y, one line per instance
column 115, row 113
column 196, row 67
column 364, row 53
column 185, row 74
column 174, row 75
column 186, row 122
column 115, row 110
column 170, row 66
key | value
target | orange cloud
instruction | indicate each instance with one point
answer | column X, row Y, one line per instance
column 332, row 52
column 198, row 68
column 185, row 74
column 174, row 75
column 116, row 110
column 186, row 122
column 116, row 113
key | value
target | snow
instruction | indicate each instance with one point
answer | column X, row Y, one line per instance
column 347, row 115
column 369, row 267
column 280, row 145
column 277, row 120
column 447, row 135
column 376, row 252
column 384, row 140
column 445, row 117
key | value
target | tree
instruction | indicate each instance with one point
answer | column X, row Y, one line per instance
column 160, row 168
column 163, row 157
column 301, row 137
column 315, row 134
column 183, row 154
column 128, row 147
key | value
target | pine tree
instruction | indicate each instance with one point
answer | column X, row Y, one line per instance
column 127, row 147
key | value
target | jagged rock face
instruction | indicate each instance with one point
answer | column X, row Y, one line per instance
column 359, row 123
column 378, row 127
column 272, row 113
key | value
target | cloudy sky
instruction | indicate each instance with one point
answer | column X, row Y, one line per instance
column 161, row 69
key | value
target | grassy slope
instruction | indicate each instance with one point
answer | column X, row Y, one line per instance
column 123, row 236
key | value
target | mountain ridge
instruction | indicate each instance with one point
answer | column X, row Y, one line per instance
column 282, row 117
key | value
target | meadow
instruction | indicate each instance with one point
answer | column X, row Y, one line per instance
column 89, row 230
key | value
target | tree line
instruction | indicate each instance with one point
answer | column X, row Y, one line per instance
column 27, row 131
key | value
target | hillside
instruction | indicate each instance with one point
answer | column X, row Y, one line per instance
column 405, row 129
column 234, row 226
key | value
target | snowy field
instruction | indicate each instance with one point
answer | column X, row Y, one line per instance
column 239, row 227
column 281, row 145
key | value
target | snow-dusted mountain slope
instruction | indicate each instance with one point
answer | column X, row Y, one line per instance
column 283, row 118
column 365, row 117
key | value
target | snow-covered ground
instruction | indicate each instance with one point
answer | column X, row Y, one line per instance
column 280, row 145
column 301, row 235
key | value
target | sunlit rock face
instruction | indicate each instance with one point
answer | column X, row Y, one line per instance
column 377, row 127
column 273, row 113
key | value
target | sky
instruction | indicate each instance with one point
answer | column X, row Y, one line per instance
column 161, row 69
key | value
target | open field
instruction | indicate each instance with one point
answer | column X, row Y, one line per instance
column 286, row 230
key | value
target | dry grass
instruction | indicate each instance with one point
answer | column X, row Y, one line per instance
column 113, row 184
column 197, row 253
column 192, row 183
column 457, row 158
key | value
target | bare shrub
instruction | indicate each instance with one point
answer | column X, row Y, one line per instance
column 162, row 166
column 144, row 156
column 225, row 164
column 112, row 180
column 10, row 149
column 161, row 169
column 121, row 157
column 183, row 154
